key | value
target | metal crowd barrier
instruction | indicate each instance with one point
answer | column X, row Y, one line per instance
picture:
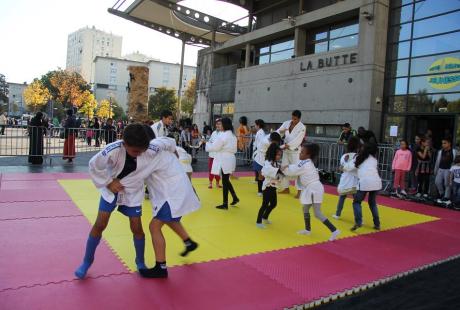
column 49, row 142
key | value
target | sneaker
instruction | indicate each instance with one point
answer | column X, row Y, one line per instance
column 425, row 195
column 266, row 221
column 222, row 207
column 210, row 186
column 235, row 201
column 355, row 227
column 394, row 193
column 189, row 247
column 418, row 195
column 403, row 192
column 335, row 216
column 304, row 232
column 260, row 225
column 376, row 227
column 155, row 272
column 219, row 186
column 334, row 235
column 259, row 194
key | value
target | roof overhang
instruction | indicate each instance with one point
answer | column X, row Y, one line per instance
column 175, row 20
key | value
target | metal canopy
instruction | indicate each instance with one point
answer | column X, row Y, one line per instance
column 175, row 20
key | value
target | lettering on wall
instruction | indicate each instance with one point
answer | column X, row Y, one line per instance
column 444, row 79
column 328, row 62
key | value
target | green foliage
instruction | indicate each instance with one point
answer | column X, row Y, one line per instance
column 4, row 89
column 163, row 99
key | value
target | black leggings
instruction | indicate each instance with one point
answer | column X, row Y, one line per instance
column 423, row 183
column 227, row 186
column 269, row 201
column 259, row 182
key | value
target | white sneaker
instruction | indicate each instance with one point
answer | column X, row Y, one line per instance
column 403, row 192
column 304, row 232
column 259, row 194
column 334, row 235
column 335, row 216
column 266, row 221
column 418, row 195
column 261, row 226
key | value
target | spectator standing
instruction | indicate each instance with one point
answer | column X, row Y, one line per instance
column 402, row 162
column 424, row 167
column 444, row 161
column 37, row 130
column 412, row 174
column 243, row 133
column 346, row 134
column 70, row 132
column 3, row 123
column 110, row 133
column 455, row 181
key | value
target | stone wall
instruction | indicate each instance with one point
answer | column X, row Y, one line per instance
column 138, row 93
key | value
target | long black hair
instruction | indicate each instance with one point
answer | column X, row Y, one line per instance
column 271, row 152
column 227, row 124
column 353, row 145
column 367, row 150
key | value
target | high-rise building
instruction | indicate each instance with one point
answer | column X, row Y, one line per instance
column 85, row 44
column 111, row 77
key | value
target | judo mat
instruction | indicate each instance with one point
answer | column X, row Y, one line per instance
column 45, row 220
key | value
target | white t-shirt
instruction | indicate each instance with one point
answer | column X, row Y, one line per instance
column 455, row 170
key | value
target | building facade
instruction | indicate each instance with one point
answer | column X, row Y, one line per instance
column 378, row 64
column 16, row 105
column 111, row 77
column 85, row 44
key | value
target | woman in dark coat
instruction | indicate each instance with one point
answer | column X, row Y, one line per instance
column 69, row 136
column 36, row 132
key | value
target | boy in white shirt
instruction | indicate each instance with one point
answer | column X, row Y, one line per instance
column 455, row 181
column 115, row 172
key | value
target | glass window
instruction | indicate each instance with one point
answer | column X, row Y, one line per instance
column 422, row 65
column 264, row 59
column 397, row 104
column 433, row 7
column 321, row 36
column 264, row 49
column 438, row 83
column 343, row 42
column 398, row 68
column 434, row 45
column 283, row 55
column 391, row 120
column 400, row 32
column 282, row 46
column 423, row 102
column 344, row 31
column 439, row 24
column 400, row 49
column 398, row 86
column 401, row 15
column 321, row 47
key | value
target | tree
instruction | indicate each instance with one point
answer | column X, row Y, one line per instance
column 87, row 103
column 105, row 110
column 118, row 112
column 36, row 95
column 163, row 99
column 4, row 89
column 65, row 86
column 188, row 100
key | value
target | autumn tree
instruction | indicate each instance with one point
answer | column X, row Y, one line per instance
column 65, row 86
column 162, row 99
column 4, row 89
column 87, row 103
column 105, row 109
column 188, row 100
column 36, row 95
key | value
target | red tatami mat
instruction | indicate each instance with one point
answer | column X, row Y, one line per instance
column 37, row 209
column 40, row 251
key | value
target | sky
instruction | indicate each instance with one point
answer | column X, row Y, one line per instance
column 34, row 33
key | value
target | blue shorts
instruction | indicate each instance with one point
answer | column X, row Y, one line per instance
column 164, row 214
column 127, row 211
column 256, row 166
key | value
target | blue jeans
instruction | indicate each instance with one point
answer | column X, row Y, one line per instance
column 340, row 204
column 456, row 193
column 357, row 210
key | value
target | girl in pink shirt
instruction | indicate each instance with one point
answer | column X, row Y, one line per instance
column 402, row 163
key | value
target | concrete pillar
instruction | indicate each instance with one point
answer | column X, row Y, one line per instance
column 300, row 41
column 247, row 59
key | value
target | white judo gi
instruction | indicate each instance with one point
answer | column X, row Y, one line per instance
column 307, row 181
column 108, row 164
column 224, row 148
column 294, row 140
